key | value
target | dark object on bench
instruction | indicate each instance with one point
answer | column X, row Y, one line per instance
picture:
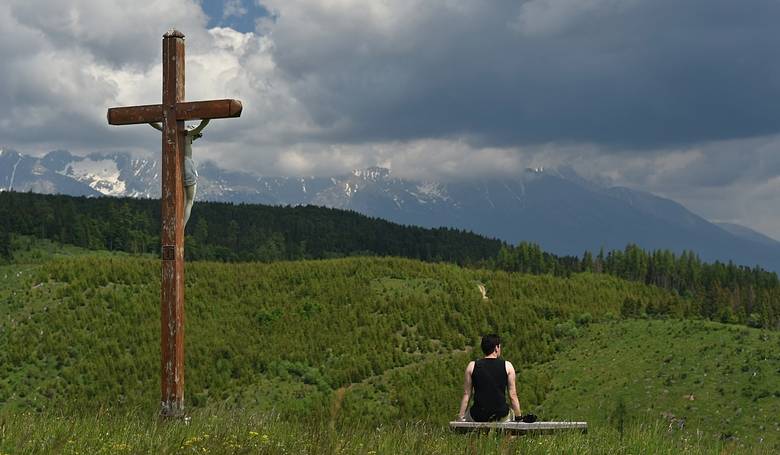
column 527, row 418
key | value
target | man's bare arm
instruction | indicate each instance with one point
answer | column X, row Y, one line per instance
column 510, row 377
column 156, row 126
column 464, row 402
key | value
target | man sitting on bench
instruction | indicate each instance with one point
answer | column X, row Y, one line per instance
column 490, row 377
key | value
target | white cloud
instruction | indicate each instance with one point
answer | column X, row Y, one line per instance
column 233, row 8
column 417, row 160
column 82, row 57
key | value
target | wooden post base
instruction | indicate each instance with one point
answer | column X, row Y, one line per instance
column 172, row 410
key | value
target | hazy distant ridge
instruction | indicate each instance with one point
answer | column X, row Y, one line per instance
column 558, row 209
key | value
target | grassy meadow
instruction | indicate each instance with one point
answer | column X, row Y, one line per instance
column 699, row 377
column 362, row 355
column 245, row 432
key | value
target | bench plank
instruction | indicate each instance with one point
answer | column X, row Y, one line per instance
column 518, row 427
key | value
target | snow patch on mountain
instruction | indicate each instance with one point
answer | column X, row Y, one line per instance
column 13, row 172
column 373, row 174
column 430, row 192
column 349, row 189
column 101, row 175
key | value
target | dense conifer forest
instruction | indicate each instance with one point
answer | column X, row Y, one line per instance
column 230, row 232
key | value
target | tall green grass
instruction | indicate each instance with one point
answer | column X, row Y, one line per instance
column 244, row 432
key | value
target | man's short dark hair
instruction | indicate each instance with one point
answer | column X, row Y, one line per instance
column 489, row 343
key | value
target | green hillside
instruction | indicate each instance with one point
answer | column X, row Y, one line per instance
column 724, row 292
column 84, row 330
column 696, row 376
column 361, row 342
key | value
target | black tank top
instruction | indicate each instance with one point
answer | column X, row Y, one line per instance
column 490, row 383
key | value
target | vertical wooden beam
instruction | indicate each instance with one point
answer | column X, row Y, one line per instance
column 172, row 235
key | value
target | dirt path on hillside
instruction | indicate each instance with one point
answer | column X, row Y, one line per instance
column 341, row 392
column 483, row 291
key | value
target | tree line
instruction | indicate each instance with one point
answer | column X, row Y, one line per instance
column 231, row 232
column 726, row 292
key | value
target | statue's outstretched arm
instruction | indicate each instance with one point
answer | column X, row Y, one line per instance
column 200, row 127
column 157, row 126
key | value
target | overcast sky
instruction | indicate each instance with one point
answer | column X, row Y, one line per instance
column 677, row 97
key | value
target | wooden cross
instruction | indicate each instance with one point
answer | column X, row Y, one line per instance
column 172, row 113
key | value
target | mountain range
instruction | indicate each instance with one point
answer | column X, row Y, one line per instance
column 556, row 208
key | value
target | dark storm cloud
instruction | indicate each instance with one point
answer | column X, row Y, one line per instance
column 632, row 74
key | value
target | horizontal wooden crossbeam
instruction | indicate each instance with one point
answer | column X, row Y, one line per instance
column 518, row 427
column 192, row 110
column 197, row 110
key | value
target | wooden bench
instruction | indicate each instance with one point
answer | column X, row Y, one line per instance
column 518, row 427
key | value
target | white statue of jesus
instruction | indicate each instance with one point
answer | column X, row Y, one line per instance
column 190, row 173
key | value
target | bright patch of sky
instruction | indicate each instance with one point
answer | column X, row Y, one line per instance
column 240, row 15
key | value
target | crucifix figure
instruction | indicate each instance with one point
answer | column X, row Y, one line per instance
column 171, row 115
column 190, row 178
